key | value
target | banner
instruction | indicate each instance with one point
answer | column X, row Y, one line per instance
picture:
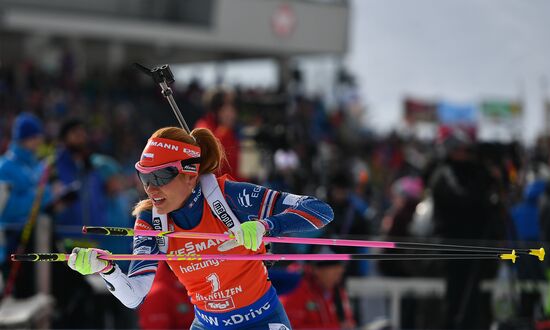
column 420, row 111
column 501, row 109
column 454, row 114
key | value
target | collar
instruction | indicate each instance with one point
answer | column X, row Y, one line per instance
column 190, row 214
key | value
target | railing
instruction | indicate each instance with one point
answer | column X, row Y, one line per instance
column 396, row 288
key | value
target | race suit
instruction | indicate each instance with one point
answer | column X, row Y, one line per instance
column 225, row 294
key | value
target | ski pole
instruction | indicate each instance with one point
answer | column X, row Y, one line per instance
column 52, row 257
column 118, row 231
column 29, row 225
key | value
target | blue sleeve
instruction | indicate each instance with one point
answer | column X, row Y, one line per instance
column 285, row 213
column 144, row 245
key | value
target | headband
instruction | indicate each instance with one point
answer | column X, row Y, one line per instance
column 159, row 151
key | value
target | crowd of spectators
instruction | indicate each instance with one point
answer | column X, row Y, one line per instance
column 92, row 125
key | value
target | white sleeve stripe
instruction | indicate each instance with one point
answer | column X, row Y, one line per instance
column 264, row 202
column 142, row 269
column 269, row 208
column 264, row 205
column 267, row 203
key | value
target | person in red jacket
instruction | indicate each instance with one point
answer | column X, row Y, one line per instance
column 221, row 119
column 167, row 306
column 320, row 300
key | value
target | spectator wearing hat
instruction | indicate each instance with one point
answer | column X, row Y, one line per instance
column 320, row 300
column 20, row 174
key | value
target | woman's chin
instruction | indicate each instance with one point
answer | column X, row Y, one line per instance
column 162, row 209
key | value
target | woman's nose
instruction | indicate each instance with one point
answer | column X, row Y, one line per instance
column 149, row 187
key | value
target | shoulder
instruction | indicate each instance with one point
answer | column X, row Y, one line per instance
column 145, row 214
column 7, row 160
column 248, row 193
column 245, row 198
column 9, row 168
column 231, row 186
column 144, row 220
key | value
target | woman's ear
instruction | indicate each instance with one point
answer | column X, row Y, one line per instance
column 192, row 180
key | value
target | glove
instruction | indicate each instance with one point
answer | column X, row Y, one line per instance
column 250, row 235
column 86, row 261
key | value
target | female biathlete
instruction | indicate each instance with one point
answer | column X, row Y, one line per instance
column 226, row 294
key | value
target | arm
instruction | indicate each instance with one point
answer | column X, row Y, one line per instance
column 130, row 289
column 282, row 212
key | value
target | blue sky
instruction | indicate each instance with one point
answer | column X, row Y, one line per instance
column 459, row 50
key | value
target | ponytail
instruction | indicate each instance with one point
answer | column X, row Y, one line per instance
column 212, row 152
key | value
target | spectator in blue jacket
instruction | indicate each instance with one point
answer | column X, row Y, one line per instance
column 74, row 167
column 20, row 174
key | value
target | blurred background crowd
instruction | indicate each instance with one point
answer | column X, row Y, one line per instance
column 71, row 129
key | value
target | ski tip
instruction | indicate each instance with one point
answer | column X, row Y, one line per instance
column 539, row 253
column 509, row 256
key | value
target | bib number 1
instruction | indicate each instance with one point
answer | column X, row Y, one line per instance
column 214, row 281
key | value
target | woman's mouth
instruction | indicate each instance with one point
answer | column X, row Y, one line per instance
column 158, row 200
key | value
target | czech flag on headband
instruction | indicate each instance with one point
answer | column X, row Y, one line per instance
column 160, row 151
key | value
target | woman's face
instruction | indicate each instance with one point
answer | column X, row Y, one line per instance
column 329, row 276
column 171, row 196
column 33, row 143
column 77, row 138
column 227, row 116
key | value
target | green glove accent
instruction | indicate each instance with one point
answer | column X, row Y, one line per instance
column 83, row 264
column 253, row 232
column 249, row 235
column 86, row 261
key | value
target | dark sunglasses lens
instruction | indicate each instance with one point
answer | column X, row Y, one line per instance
column 158, row 178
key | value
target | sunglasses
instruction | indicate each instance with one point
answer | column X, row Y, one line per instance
column 161, row 175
